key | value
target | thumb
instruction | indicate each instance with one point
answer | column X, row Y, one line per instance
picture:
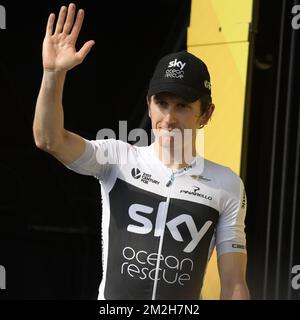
column 85, row 49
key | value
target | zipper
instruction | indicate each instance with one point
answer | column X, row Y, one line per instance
column 168, row 184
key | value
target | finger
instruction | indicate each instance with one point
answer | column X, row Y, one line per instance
column 61, row 19
column 70, row 18
column 77, row 25
column 82, row 53
column 49, row 28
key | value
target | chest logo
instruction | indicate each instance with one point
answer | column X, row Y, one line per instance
column 145, row 225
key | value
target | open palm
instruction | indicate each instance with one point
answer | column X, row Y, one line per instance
column 59, row 52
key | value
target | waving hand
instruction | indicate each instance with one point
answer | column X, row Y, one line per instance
column 59, row 52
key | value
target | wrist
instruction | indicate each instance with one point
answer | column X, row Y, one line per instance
column 53, row 78
column 55, row 73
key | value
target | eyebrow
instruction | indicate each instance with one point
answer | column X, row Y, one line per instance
column 163, row 96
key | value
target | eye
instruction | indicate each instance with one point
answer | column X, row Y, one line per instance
column 161, row 103
column 183, row 106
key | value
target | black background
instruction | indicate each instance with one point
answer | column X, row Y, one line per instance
column 50, row 217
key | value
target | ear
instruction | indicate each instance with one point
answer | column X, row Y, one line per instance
column 205, row 117
column 148, row 99
column 148, row 104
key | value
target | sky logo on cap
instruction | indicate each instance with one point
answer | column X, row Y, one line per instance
column 177, row 71
column 176, row 63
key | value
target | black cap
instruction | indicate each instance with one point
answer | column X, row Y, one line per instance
column 183, row 74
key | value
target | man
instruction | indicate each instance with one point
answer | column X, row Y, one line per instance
column 164, row 207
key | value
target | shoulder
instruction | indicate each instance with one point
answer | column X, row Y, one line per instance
column 107, row 142
column 111, row 145
column 223, row 177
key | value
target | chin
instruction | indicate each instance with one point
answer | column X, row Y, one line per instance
column 165, row 141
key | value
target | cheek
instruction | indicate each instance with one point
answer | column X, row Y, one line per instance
column 153, row 119
column 189, row 121
column 192, row 125
column 155, row 114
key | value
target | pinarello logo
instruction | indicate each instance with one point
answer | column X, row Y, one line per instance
column 136, row 173
column 196, row 193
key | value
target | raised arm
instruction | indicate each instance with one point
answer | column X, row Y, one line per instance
column 59, row 56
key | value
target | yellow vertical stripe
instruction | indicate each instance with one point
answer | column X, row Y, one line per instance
column 218, row 34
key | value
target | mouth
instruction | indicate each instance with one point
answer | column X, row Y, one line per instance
column 168, row 132
column 173, row 133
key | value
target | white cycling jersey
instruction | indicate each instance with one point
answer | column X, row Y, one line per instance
column 159, row 227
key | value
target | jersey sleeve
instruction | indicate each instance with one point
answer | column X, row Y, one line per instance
column 99, row 158
column 230, row 231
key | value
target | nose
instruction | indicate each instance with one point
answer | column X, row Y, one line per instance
column 170, row 116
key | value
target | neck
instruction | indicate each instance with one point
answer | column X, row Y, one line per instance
column 175, row 158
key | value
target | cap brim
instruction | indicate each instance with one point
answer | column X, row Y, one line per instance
column 187, row 93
